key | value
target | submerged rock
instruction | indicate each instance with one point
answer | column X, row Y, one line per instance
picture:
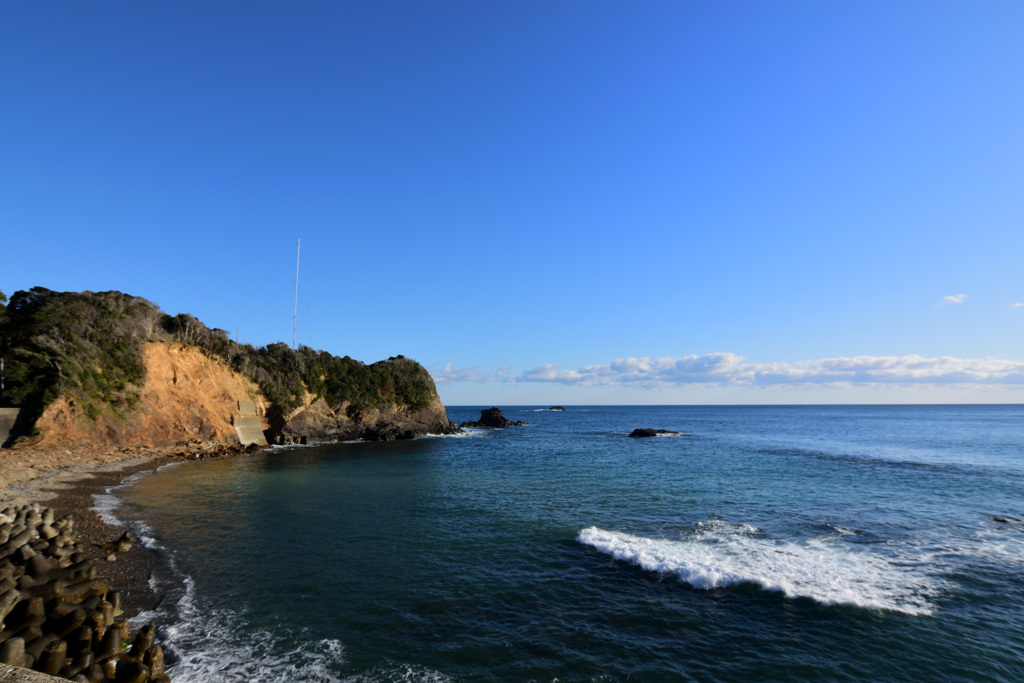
column 493, row 419
column 646, row 431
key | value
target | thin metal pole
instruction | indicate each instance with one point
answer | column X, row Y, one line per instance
column 295, row 319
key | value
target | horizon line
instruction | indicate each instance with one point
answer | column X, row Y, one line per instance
column 722, row 405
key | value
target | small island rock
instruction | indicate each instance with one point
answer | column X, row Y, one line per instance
column 638, row 433
column 493, row 419
column 559, row 408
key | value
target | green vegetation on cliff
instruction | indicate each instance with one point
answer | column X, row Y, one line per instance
column 88, row 345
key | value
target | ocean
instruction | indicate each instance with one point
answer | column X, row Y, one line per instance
column 825, row 543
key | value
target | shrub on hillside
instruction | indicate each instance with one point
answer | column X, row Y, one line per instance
column 86, row 345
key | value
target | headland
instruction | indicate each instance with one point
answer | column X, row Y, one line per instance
column 102, row 386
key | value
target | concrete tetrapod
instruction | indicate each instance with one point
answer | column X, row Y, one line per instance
column 56, row 615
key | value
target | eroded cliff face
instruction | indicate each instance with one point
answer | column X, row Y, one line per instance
column 320, row 423
column 187, row 395
column 191, row 396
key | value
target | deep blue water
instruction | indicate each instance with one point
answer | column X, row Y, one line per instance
column 840, row 543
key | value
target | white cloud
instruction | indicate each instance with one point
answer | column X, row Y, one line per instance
column 453, row 374
column 1017, row 305
column 731, row 370
column 953, row 299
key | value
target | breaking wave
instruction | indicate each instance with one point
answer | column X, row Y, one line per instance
column 215, row 644
column 827, row 571
column 205, row 645
column 209, row 645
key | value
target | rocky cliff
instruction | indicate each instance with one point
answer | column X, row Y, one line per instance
column 189, row 395
column 186, row 395
column 108, row 368
column 320, row 423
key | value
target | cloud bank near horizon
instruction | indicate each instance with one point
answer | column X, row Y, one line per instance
column 731, row 370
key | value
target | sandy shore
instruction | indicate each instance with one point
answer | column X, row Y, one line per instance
column 38, row 474
column 67, row 478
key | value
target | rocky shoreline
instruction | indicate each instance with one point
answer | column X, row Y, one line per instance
column 68, row 477
column 322, row 423
column 58, row 616
column 68, row 480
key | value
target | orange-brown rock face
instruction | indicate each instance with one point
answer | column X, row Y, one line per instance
column 187, row 395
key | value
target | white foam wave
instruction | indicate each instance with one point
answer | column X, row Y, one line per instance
column 291, row 446
column 461, row 435
column 214, row 645
column 105, row 504
column 207, row 645
column 1001, row 543
column 220, row 645
column 401, row 673
column 474, row 432
column 828, row 571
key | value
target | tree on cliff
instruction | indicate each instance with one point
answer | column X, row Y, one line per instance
column 86, row 344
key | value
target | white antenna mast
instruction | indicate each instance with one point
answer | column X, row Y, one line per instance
column 295, row 319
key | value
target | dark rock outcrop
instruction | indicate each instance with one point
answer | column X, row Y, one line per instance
column 559, row 408
column 643, row 432
column 493, row 419
column 320, row 423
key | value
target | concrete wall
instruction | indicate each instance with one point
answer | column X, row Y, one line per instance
column 8, row 417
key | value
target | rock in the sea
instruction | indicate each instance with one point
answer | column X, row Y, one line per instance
column 638, row 433
column 559, row 408
column 493, row 419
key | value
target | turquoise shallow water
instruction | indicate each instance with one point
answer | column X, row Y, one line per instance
column 767, row 543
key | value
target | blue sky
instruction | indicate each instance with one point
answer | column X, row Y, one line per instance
column 570, row 202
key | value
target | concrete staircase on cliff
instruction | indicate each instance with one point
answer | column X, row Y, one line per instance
column 247, row 425
column 8, row 420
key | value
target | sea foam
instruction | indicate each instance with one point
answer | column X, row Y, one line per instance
column 220, row 645
column 828, row 571
column 107, row 504
column 205, row 645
